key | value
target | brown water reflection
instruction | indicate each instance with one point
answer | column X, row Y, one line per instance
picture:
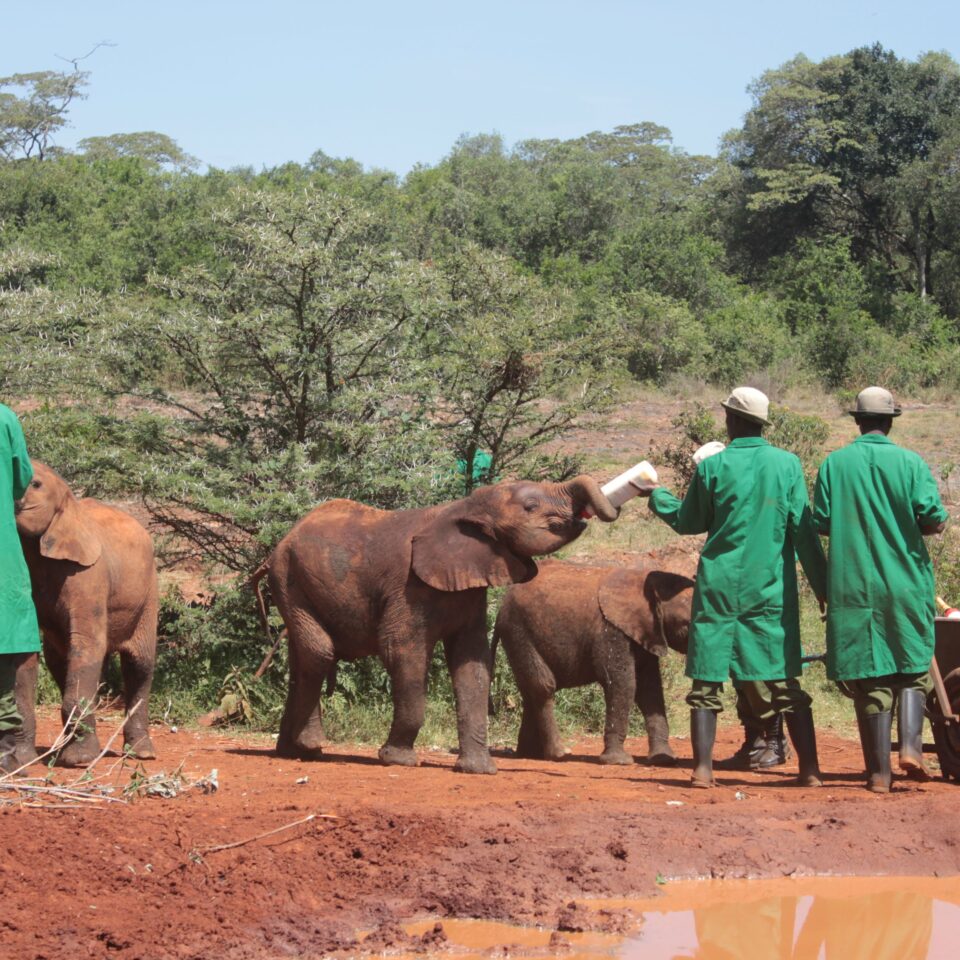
column 883, row 918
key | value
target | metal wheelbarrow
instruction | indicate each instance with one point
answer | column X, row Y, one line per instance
column 943, row 703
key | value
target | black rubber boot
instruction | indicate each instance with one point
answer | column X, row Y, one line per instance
column 753, row 745
column 875, row 730
column 910, row 724
column 804, row 737
column 775, row 751
column 8, row 744
column 863, row 744
column 703, row 733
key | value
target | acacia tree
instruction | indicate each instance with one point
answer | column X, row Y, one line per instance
column 28, row 123
column 511, row 366
column 287, row 373
column 155, row 149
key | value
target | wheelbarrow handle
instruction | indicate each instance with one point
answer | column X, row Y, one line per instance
column 940, row 690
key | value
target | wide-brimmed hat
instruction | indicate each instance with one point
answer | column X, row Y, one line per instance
column 749, row 403
column 875, row 402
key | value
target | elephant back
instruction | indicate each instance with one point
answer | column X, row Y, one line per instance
column 561, row 598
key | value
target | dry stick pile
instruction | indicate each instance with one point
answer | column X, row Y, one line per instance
column 91, row 787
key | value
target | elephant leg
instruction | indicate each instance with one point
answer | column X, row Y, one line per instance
column 551, row 745
column 529, row 745
column 408, row 687
column 25, row 693
column 539, row 737
column 619, row 686
column 311, row 658
column 468, row 659
column 136, row 665
column 654, row 710
column 80, row 695
column 55, row 658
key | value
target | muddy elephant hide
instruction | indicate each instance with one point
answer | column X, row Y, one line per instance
column 352, row 581
column 94, row 582
column 578, row 624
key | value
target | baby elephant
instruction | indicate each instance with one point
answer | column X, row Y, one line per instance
column 573, row 625
column 95, row 588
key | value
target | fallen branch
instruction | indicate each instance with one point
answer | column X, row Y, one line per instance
column 108, row 744
column 263, row 836
column 64, row 793
column 60, row 741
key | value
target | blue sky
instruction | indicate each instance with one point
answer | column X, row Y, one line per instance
column 395, row 83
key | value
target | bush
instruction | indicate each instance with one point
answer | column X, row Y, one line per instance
column 916, row 350
column 744, row 338
column 661, row 337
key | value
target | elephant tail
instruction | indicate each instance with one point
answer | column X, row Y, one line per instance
column 491, row 709
column 262, row 608
column 254, row 584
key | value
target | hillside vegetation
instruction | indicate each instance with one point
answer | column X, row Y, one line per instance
column 229, row 347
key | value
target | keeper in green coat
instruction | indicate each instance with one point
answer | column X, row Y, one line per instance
column 751, row 501
column 876, row 502
column 19, row 634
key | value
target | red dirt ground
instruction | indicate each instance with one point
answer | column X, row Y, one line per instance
column 133, row 881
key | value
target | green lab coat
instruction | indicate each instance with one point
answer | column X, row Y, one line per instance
column 18, row 617
column 871, row 496
column 751, row 501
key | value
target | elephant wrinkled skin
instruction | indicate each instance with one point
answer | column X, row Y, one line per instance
column 351, row 581
column 95, row 588
column 577, row 624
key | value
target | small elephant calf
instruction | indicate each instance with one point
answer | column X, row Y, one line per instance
column 576, row 624
column 95, row 588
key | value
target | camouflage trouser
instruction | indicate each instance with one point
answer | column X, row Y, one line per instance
column 873, row 695
column 10, row 718
column 764, row 698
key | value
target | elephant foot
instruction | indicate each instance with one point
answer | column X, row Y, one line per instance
column 617, row 757
column 480, row 763
column 24, row 754
column 398, row 756
column 295, row 751
column 142, row 748
column 79, row 753
column 662, row 758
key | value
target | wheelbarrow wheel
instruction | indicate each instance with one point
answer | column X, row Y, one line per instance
column 946, row 737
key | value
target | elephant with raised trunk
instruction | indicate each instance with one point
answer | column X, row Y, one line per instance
column 578, row 624
column 351, row 581
column 95, row 589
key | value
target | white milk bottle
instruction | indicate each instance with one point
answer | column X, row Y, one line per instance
column 619, row 490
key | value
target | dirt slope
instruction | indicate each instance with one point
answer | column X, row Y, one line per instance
column 135, row 882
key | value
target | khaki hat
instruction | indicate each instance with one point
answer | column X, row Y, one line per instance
column 875, row 402
column 749, row 403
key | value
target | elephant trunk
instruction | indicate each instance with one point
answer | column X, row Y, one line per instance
column 584, row 490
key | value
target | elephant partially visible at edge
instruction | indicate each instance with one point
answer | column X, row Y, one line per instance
column 579, row 624
column 351, row 581
column 94, row 583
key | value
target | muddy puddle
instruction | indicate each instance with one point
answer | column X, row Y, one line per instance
column 882, row 918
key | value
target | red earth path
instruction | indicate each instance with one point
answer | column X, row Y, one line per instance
column 140, row 881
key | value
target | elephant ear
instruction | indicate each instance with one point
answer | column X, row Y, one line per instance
column 627, row 601
column 70, row 536
column 457, row 551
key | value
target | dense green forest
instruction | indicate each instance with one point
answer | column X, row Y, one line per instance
column 233, row 346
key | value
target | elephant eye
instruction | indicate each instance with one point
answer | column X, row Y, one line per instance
column 530, row 506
